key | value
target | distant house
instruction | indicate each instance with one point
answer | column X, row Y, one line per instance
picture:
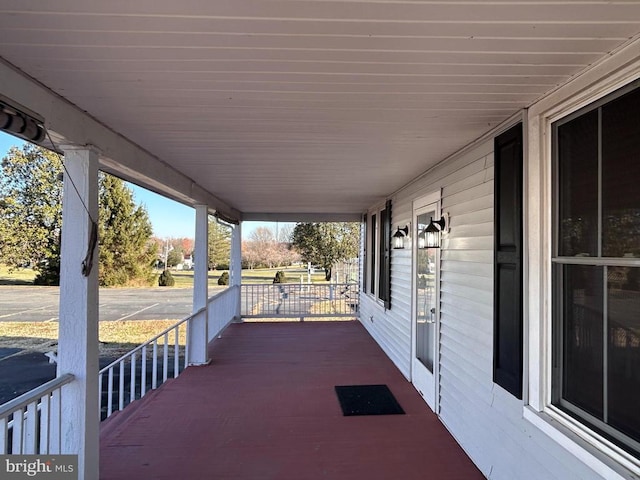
column 187, row 261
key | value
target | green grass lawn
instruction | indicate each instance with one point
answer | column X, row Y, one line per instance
column 22, row 276
column 293, row 274
column 184, row 278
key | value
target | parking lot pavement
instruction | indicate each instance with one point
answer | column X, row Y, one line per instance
column 21, row 370
column 40, row 304
column 19, row 373
column 26, row 303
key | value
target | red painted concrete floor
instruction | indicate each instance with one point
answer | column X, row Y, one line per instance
column 265, row 408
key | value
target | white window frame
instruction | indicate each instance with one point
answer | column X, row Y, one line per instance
column 592, row 449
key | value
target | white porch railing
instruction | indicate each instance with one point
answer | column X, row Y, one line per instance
column 135, row 373
column 223, row 309
column 149, row 365
column 30, row 423
column 293, row 300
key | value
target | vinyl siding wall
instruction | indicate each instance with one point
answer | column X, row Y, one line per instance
column 486, row 420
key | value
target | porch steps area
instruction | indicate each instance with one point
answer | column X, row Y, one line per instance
column 265, row 408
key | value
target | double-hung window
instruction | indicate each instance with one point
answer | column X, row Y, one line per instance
column 596, row 268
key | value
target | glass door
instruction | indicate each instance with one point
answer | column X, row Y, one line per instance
column 425, row 307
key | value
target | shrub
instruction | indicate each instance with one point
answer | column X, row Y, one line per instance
column 280, row 277
column 224, row 279
column 166, row 279
column 49, row 273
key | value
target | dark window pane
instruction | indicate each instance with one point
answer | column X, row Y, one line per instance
column 372, row 250
column 365, row 233
column 621, row 176
column 578, row 185
column 623, row 292
column 381, row 263
column 583, row 338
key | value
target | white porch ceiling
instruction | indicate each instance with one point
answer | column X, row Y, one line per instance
column 306, row 106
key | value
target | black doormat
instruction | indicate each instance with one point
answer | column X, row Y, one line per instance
column 367, row 400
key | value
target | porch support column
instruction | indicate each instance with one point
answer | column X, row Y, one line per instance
column 236, row 267
column 78, row 324
column 198, row 328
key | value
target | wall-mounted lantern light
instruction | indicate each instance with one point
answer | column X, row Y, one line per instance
column 430, row 236
column 422, row 240
column 399, row 236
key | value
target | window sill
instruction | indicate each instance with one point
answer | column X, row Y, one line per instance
column 376, row 302
column 602, row 458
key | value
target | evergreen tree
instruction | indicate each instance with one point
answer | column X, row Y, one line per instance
column 166, row 279
column 174, row 257
column 126, row 253
column 31, row 211
column 219, row 245
column 31, row 221
column 224, row 279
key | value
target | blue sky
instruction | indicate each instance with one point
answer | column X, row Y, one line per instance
column 169, row 218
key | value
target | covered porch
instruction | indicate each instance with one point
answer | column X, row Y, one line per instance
column 330, row 111
column 265, row 408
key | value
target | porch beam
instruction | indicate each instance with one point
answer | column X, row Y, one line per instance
column 302, row 217
column 69, row 125
column 78, row 323
column 198, row 328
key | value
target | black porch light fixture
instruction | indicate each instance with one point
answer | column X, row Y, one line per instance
column 430, row 236
column 399, row 236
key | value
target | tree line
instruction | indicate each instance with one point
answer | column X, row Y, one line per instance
column 322, row 244
column 31, row 221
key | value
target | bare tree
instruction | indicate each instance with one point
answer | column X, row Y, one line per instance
column 265, row 249
column 285, row 233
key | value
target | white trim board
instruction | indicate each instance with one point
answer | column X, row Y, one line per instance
column 604, row 78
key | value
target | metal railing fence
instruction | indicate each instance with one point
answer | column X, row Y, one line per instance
column 293, row 300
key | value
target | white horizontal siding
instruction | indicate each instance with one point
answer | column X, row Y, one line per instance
column 480, row 269
column 485, row 420
column 389, row 324
column 379, row 325
column 493, row 426
column 467, row 179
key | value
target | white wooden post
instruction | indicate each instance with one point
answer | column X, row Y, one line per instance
column 78, row 324
column 198, row 328
column 236, row 267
